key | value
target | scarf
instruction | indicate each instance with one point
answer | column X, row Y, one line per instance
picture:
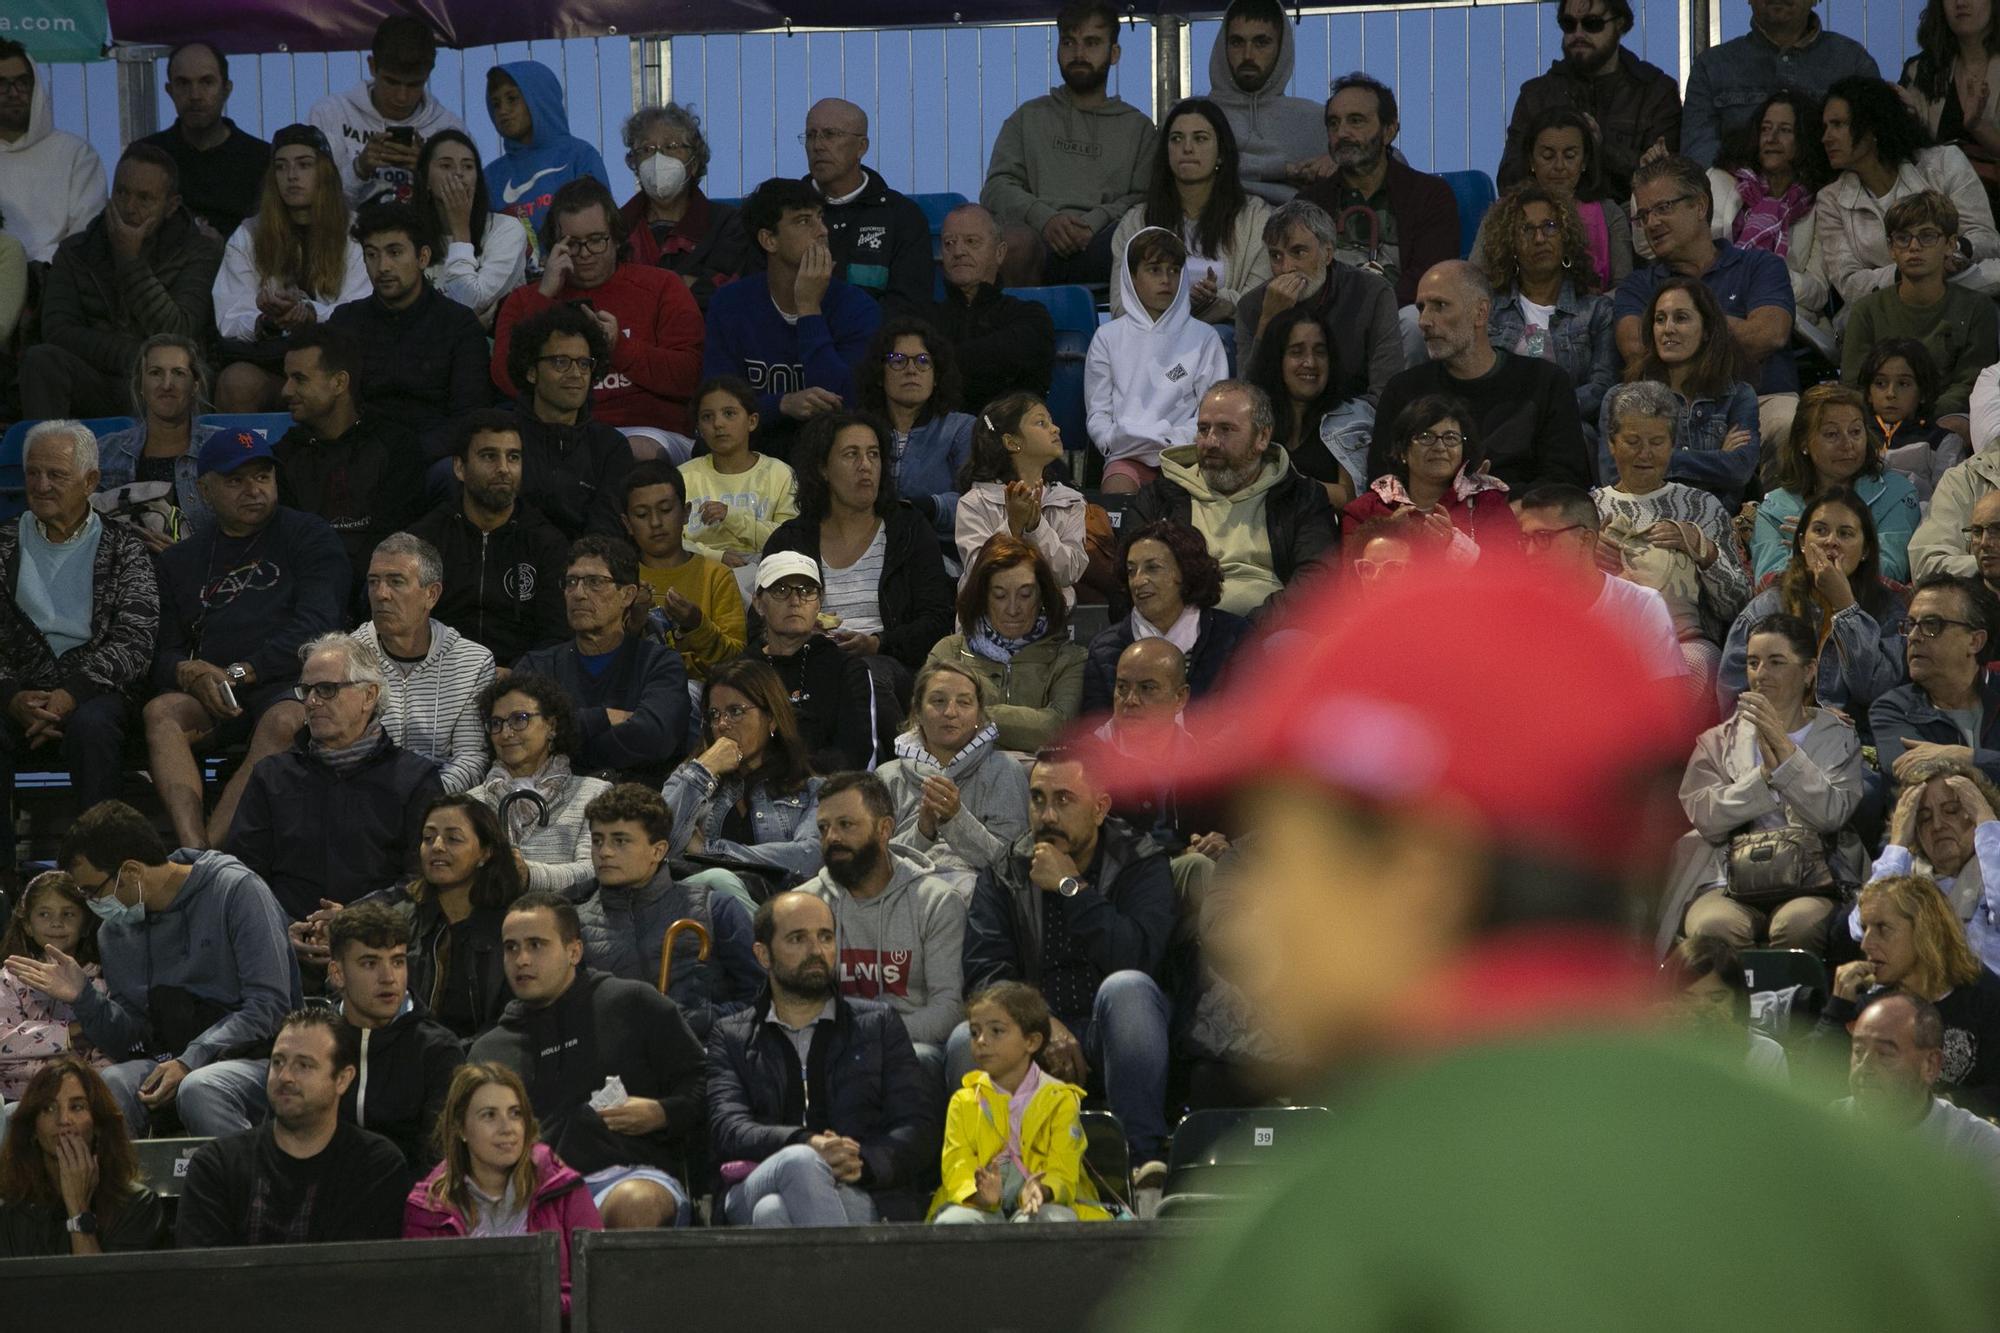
column 990, row 644
column 1766, row 220
column 550, row 781
column 1183, row 634
column 910, row 746
column 348, row 758
column 1017, row 1111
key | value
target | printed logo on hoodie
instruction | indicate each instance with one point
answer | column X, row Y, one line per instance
column 1178, row 373
column 872, row 973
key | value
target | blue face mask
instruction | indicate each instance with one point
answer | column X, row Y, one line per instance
column 113, row 912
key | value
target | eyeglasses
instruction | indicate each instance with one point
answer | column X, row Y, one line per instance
column 516, row 722
column 1544, row 539
column 591, row 582
column 565, row 364
column 594, row 244
column 1926, row 237
column 1644, row 215
column 1593, row 25
column 1979, row 532
column 1929, row 627
column 793, row 592
column 23, row 84
column 1450, row 439
column 1549, row 230
column 1375, row 569
column 325, row 691
column 811, row 137
column 641, row 151
column 897, row 360
column 734, row 712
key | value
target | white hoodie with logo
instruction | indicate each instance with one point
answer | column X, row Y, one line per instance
column 51, row 182
column 347, row 119
column 1144, row 377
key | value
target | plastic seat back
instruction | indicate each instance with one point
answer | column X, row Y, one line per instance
column 1475, row 194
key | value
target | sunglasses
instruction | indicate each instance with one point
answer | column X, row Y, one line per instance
column 1593, row 25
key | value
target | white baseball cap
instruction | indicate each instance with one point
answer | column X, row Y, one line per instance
column 784, row 565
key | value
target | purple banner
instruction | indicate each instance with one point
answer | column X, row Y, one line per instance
column 349, row 25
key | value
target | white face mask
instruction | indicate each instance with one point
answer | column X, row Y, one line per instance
column 662, row 177
column 115, row 913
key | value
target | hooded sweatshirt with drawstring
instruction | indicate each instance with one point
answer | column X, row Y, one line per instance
column 51, row 181
column 348, row 120
column 523, row 180
column 1272, row 130
column 1233, row 525
column 1144, row 376
column 1053, row 156
column 903, row 946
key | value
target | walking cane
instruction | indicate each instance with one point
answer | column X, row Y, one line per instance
column 667, row 947
column 532, row 797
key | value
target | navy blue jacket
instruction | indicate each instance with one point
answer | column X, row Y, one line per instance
column 1907, row 713
column 646, row 679
column 267, row 595
column 1217, row 638
column 864, row 1082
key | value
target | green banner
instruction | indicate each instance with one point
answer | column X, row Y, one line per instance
column 57, row 29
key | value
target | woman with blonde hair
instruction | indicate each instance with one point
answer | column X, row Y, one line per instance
column 285, row 269
column 1911, row 940
column 497, row 1177
column 959, row 799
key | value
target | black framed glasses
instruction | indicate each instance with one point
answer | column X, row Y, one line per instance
column 1979, row 532
column 897, row 360
column 793, row 592
column 1929, row 627
column 595, row 244
column 589, row 582
column 564, row 364
column 1450, row 439
column 1542, row 540
column 325, row 691
column 514, row 722
column 1923, row 236
column 1644, row 215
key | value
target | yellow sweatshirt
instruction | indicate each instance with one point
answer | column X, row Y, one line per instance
column 709, row 585
column 759, row 500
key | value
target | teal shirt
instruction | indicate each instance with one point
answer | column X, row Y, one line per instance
column 1891, row 501
column 53, row 584
column 1593, row 1182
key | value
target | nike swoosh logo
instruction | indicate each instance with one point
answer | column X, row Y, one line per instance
column 511, row 194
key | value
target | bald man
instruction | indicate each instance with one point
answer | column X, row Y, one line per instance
column 1003, row 343
column 880, row 240
column 1525, row 423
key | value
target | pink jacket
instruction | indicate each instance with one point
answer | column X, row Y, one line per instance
column 562, row 1204
column 35, row 1029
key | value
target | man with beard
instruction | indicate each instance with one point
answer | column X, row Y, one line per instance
column 1248, row 72
column 502, row 559
column 1392, row 217
column 1524, row 408
column 1895, row 1054
column 51, row 181
column 1951, row 707
column 222, row 168
column 613, row 1072
column 1082, row 908
column 305, row 1176
column 900, row 929
column 1357, row 309
column 1067, row 166
column 1636, row 106
column 1266, row 523
column 818, row 1111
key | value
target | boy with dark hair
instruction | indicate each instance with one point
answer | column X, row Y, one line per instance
column 406, row 1058
column 697, row 607
column 1147, row 369
column 377, row 128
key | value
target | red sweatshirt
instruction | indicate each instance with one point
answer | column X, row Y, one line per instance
column 657, row 362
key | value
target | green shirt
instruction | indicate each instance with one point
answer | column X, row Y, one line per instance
column 1961, row 332
column 1595, row 1182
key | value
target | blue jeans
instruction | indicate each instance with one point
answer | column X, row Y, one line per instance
column 1125, row 1042
column 226, row 1097
column 794, row 1187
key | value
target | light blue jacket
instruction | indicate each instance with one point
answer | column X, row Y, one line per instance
column 118, row 463
column 1861, row 661
column 525, row 177
column 929, row 467
column 1892, row 501
column 785, row 827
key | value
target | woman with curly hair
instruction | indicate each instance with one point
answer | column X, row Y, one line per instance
column 1546, row 297
column 1563, row 161
column 1883, row 155
column 532, row 729
column 1764, row 185
column 909, row 378
column 1173, row 583
column 1014, row 635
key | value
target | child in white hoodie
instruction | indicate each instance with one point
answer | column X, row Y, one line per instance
column 1148, row 369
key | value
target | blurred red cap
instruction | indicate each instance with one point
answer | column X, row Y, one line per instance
column 1490, row 691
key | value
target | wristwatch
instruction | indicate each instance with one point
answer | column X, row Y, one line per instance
column 83, row 1224
column 1069, row 886
column 237, row 673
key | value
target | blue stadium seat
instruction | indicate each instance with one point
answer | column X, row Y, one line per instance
column 13, row 482
column 1075, row 317
column 935, row 207
column 269, row 425
column 1475, row 194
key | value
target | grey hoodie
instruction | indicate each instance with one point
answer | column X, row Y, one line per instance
column 222, row 941
column 902, row 946
column 1053, row 156
column 1272, row 130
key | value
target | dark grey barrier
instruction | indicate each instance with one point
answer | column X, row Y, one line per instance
column 497, row 1285
column 997, row 1278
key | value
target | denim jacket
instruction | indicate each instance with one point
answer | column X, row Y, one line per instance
column 118, row 463
column 1582, row 334
column 1861, row 661
column 785, row 827
column 1699, row 458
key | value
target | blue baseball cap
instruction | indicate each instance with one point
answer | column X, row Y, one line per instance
column 227, row 450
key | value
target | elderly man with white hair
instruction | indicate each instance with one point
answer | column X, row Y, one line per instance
column 337, row 815
column 78, row 622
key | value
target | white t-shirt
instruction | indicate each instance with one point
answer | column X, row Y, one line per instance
column 1641, row 614
column 1538, row 319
